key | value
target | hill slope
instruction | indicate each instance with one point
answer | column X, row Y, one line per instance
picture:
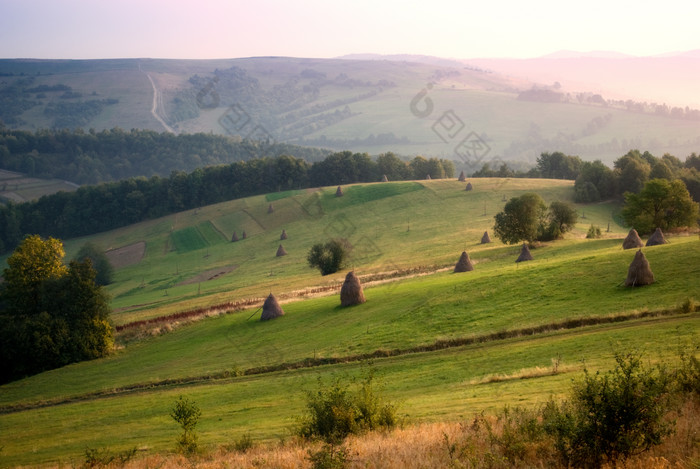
column 447, row 345
column 434, row 107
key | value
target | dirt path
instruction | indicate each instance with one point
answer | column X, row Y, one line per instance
column 157, row 101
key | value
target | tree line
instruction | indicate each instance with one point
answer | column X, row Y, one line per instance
column 91, row 157
column 595, row 181
column 101, row 207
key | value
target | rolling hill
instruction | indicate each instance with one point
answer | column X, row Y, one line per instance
column 446, row 345
column 467, row 111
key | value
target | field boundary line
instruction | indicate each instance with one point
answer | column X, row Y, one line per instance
column 308, row 363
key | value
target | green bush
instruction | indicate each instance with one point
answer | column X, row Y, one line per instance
column 333, row 412
column 329, row 257
column 610, row 416
column 593, row 232
column 186, row 413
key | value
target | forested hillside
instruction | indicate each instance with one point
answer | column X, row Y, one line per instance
column 109, row 155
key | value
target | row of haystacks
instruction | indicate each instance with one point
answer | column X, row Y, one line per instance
column 633, row 241
column 351, row 294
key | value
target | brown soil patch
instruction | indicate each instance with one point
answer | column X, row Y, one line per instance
column 208, row 275
column 126, row 255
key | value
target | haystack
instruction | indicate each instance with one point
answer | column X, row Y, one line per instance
column 339, row 192
column 281, row 252
column 462, row 177
column 270, row 209
column 469, row 186
column 632, row 241
column 656, row 238
column 384, row 178
column 639, row 272
column 243, row 235
column 464, row 264
column 271, row 309
column 524, row 254
column 283, row 235
column 486, row 238
column 234, row 238
column 351, row 291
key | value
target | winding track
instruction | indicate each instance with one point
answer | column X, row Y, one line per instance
column 154, row 108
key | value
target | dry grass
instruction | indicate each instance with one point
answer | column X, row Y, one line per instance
column 479, row 443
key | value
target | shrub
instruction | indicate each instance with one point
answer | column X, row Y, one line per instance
column 328, row 457
column 243, row 444
column 186, row 413
column 334, row 412
column 610, row 416
column 593, row 232
column 329, row 257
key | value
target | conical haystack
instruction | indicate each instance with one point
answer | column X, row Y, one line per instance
column 486, row 238
column 632, row 241
column 462, row 177
column 243, row 235
column 339, row 192
column 234, row 238
column 469, row 186
column 281, row 252
column 384, row 178
column 270, row 209
column 464, row 264
column 283, row 235
column 639, row 272
column 351, row 291
column 271, row 309
column 524, row 254
column 656, row 238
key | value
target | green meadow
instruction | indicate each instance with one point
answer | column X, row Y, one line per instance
column 445, row 345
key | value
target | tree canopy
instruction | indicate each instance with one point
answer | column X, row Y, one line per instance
column 660, row 204
column 50, row 314
column 527, row 218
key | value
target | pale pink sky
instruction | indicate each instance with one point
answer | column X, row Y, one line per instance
column 86, row 29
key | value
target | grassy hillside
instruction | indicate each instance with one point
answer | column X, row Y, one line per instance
column 391, row 226
column 361, row 105
column 446, row 345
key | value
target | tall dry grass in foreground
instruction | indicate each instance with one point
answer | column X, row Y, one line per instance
column 482, row 442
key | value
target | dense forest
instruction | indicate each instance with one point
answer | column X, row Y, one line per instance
column 110, row 155
column 96, row 208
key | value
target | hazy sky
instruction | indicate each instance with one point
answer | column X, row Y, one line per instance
column 325, row 28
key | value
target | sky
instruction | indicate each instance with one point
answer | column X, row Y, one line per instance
column 205, row 29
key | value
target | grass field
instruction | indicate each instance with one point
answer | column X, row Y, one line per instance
column 445, row 345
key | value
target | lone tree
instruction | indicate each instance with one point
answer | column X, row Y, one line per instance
column 660, row 204
column 329, row 257
column 527, row 218
column 186, row 413
column 50, row 315
column 522, row 218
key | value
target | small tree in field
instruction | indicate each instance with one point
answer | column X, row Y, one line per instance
column 329, row 257
column 186, row 413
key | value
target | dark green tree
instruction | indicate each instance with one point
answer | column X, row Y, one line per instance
column 660, row 204
column 103, row 268
column 522, row 219
column 562, row 219
column 50, row 315
column 632, row 171
column 329, row 257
